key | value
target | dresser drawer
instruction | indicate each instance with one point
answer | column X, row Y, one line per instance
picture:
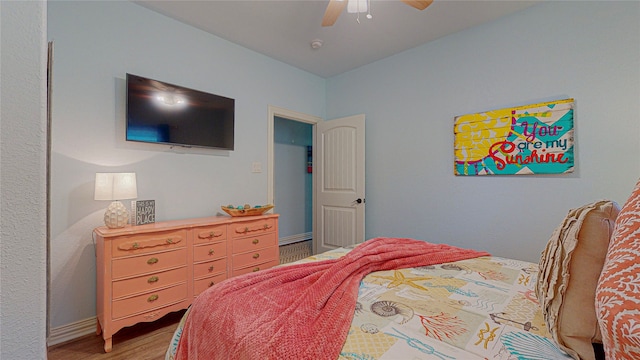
column 210, row 268
column 255, row 267
column 144, row 264
column 252, row 227
column 209, row 251
column 148, row 243
column 203, row 284
column 148, row 282
column 259, row 241
column 148, row 301
column 209, row 234
column 254, row 257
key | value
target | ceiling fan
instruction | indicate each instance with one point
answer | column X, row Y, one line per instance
column 335, row 7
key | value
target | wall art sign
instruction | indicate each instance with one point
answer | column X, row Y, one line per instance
column 143, row 212
column 529, row 139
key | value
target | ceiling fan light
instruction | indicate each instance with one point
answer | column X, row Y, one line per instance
column 356, row 6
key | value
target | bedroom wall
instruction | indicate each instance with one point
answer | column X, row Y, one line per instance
column 23, row 144
column 96, row 44
column 586, row 50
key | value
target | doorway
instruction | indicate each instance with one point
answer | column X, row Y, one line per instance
column 337, row 220
column 284, row 157
column 293, row 167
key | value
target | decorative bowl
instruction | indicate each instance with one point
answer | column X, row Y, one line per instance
column 254, row 211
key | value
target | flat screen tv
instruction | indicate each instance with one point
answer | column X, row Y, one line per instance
column 158, row 112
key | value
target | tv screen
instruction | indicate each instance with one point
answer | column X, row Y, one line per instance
column 158, row 112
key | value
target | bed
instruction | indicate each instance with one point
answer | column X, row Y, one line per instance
column 442, row 303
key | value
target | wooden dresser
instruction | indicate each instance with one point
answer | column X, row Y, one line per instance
column 145, row 272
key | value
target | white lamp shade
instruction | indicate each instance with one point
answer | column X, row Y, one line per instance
column 115, row 186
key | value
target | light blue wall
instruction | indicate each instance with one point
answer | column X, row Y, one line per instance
column 96, row 44
column 586, row 50
column 23, row 177
column 293, row 185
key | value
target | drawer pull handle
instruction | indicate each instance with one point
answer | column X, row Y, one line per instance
column 247, row 229
column 211, row 251
column 256, row 255
column 153, row 279
column 152, row 261
column 149, row 243
column 211, row 268
column 255, row 241
column 210, row 234
column 152, row 298
column 211, row 283
column 256, row 269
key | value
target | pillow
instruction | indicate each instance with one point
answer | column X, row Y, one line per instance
column 570, row 267
column 618, row 291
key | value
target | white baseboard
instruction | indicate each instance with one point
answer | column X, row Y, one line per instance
column 72, row 331
column 295, row 238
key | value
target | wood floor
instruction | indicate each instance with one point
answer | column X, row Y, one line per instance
column 144, row 341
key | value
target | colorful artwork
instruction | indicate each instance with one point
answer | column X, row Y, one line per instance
column 530, row 139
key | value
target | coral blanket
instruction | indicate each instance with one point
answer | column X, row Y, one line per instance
column 299, row 311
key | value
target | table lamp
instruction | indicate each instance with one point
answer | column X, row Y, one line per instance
column 115, row 187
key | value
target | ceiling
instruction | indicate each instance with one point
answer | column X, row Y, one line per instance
column 284, row 30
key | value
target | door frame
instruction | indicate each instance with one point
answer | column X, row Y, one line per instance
column 294, row 116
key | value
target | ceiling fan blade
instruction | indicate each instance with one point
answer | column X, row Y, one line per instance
column 334, row 9
column 418, row 4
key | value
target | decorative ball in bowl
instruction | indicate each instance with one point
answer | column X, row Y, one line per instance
column 246, row 210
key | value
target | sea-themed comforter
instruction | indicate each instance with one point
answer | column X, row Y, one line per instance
column 480, row 308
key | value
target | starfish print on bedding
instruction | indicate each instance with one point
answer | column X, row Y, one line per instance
column 398, row 279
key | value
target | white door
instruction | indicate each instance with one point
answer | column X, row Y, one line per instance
column 339, row 182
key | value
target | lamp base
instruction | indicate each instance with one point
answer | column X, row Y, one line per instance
column 116, row 216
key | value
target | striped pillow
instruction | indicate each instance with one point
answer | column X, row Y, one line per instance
column 618, row 290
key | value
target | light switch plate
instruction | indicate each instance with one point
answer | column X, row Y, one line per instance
column 256, row 167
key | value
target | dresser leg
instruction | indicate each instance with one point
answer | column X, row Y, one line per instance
column 107, row 345
column 98, row 328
